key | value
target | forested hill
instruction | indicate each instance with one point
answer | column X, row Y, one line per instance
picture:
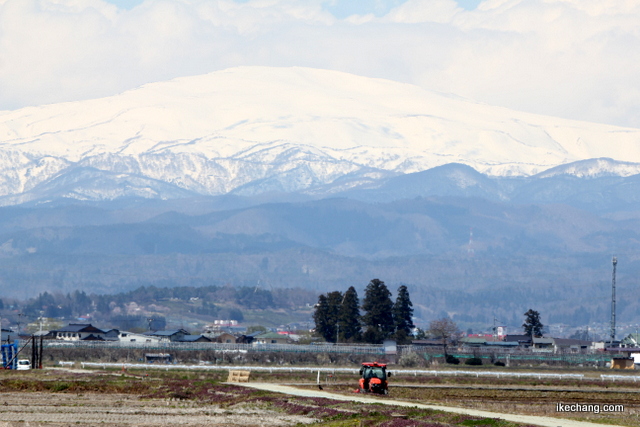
column 165, row 305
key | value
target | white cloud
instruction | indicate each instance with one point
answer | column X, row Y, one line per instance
column 420, row 11
column 571, row 58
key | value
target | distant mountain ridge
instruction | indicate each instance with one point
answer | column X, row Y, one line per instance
column 256, row 130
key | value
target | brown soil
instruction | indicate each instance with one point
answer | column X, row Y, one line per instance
column 91, row 409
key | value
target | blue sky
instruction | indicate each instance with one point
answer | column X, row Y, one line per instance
column 577, row 59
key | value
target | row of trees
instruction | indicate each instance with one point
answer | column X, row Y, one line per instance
column 338, row 319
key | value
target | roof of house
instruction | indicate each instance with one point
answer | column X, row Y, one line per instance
column 470, row 340
column 518, row 338
column 194, row 338
column 167, row 333
column 92, row 337
column 271, row 336
column 80, row 327
column 543, row 340
column 503, row 343
column 631, row 339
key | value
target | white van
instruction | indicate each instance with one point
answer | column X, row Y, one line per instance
column 24, row 365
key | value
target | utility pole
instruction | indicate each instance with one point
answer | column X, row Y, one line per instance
column 20, row 315
column 495, row 329
column 613, row 300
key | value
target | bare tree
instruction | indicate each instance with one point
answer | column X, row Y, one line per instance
column 445, row 329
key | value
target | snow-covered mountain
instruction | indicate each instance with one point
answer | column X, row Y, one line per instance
column 256, row 129
column 593, row 168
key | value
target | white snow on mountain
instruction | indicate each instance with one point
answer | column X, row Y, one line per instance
column 283, row 129
column 593, row 168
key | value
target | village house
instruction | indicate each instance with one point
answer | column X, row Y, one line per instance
column 225, row 338
column 569, row 345
column 195, row 338
column 631, row 340
column 247, row 338
column 271, row 338
column 543, row 344
column 132, row 337
column 79, row 332
column 168, row 336
column 523, row 341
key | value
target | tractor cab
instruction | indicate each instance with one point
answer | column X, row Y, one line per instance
column 374, row 378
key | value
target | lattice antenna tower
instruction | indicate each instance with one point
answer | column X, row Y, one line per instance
column 614, row 261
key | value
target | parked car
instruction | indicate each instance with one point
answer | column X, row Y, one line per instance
column 24, row 365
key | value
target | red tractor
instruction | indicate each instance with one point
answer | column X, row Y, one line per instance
column 374, row 378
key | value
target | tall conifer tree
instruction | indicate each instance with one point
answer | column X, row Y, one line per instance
column 402, row 315
column 334, row 300
column 321, row 317
column 532, row 325
column 378, row 318
column 349, row 317
column 326, row 315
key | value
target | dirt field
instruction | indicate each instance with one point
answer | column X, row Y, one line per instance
column 63, row 397
column 482, row 414
column 71, row 409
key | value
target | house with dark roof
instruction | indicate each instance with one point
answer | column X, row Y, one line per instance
column 79, row 332
column 522, row 340
column 247, row 338
column 195, row 338
column 111, row 334
column 171, row 336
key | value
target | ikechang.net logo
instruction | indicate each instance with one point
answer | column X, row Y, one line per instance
column 593, row 408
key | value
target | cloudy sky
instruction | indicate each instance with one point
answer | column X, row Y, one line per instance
column 570, row 58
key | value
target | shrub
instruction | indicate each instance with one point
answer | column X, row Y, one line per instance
column 410, row 360
column 476, row 361
column 499, row 363
column 452, row 360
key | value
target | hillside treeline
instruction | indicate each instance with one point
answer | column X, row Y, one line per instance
column 224, row 302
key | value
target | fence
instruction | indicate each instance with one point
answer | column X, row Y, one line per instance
column 313, row 370
column 206, row 367
column 222, row 347
column 489, row 355
column 271, row 369
column 511, row 355
column 614, row 378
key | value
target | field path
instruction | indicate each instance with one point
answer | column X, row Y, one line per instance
column 524, row 419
